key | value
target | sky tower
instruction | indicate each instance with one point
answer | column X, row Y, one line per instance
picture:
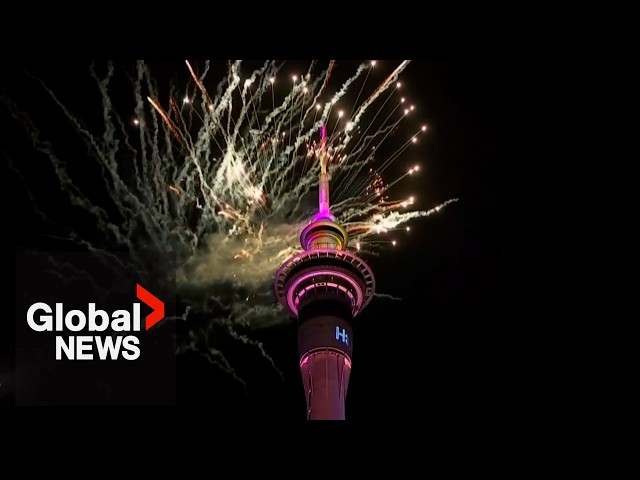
column 325, row 287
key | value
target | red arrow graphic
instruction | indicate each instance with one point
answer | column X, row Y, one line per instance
column 155, row 303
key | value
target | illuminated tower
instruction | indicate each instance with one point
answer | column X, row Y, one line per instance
column 325, row 287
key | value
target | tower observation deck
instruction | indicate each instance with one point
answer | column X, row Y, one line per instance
column 325, row 287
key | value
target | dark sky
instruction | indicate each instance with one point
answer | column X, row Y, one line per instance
column 460, row 345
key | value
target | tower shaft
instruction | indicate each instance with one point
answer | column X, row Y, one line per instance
column 324, row 343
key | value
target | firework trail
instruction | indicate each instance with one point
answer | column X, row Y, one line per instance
column 227, row 180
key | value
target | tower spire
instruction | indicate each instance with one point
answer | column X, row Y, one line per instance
column 323, row 231
column 324, row 210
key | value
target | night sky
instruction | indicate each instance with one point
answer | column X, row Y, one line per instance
column 460, row 345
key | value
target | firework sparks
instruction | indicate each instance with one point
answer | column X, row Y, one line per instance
column 226, row 180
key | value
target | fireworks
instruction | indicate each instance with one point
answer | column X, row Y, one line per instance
column 226, row 176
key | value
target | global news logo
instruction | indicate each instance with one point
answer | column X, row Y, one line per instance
column 110, row 335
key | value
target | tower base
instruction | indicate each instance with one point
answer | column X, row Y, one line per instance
column 325, row 375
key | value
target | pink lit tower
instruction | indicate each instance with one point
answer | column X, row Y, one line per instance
column 325, row 287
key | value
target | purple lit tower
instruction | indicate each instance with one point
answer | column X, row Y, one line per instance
column 325, row 287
